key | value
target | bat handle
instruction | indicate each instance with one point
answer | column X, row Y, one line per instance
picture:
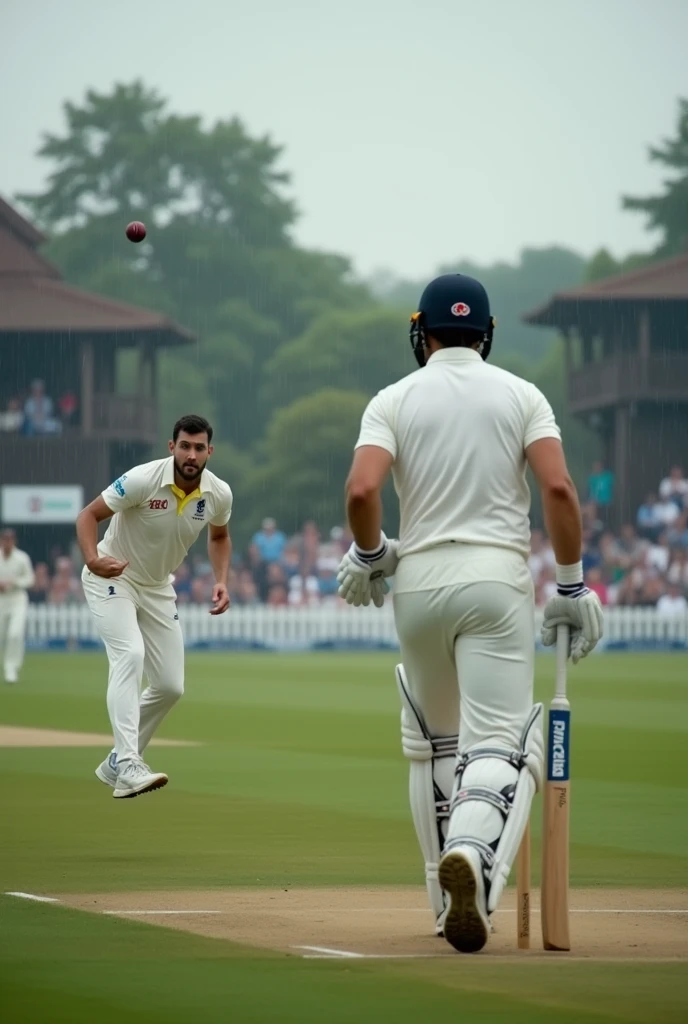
column 562, row 658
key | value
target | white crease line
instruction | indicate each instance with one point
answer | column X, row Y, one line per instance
column 159, row 913
column 30, row 896
column 507, row 958
column 331, row 954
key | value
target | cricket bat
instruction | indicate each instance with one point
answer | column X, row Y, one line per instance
column 523, row 873
column 554, row 898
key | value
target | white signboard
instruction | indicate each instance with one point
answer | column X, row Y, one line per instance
column 47, row 503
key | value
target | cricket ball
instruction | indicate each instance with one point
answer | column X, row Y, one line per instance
column 136, row 231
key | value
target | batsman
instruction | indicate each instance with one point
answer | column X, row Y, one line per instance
column 458, row 435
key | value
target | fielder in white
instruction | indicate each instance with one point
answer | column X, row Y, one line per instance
column 158, row 510
column 16, row 577
column 457, row 436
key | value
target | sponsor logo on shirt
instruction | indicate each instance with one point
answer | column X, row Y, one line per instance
column 158, row 503
column 200, row 510
column 119, row 485
column 111, row 591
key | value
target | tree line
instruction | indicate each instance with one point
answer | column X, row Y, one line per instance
column 291, row 344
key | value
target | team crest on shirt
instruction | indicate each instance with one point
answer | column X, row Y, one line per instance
column 200, row 510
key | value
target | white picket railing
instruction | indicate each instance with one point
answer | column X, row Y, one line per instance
column 304, row 628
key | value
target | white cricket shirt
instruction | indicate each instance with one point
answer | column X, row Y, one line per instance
column 458, row 429
column 155, row 523
column 15, row 569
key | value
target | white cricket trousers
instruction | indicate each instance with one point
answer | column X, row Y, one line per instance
column 468, row 650
column 141, row 633
column 13, row 611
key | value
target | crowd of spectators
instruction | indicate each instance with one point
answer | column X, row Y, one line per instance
column 36, row 413
column 643, row 564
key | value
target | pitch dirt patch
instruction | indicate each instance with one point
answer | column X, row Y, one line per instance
column 606, row 924
column 19, row 736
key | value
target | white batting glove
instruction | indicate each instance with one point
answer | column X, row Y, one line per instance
column 576, row 607
column 362, row 574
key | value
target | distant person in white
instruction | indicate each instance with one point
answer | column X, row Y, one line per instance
column 16, row 577
column 457, row 436
column 158, row 510
column 673, row 603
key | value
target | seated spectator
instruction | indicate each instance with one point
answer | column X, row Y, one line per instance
column 201, row 590
column 12, row 420
column 673, row 602
column 649, row 524
column 278, row 596
column 629, row 545
column 591, row 556
column 39, row 417
column 327, row 576
column 678, row 570
column 594, row 581
column 65, row 587
column 591, row 519
column 269, row 541
column 333, row 547
column 657, row 555
column 304, row 590
column 666, row 512
column 601, row 485
column 67, row 405
column 38, row 593
column 246, row 589
column 541, row 554
column 310, row 545
column 674, row 487
column 677, row 535
column 291, row 560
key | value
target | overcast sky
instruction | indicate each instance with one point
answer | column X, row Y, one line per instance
column 416, row 131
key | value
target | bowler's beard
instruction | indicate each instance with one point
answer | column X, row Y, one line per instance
column 188, row 473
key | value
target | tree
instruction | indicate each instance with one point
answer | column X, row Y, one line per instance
column 360, row 350
column 668, row 213
column 307, row 452
column 219, row 256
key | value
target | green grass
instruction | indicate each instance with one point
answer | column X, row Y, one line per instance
column 304, row 752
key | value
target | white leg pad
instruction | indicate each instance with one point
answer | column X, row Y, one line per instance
column 430, row 782
column 491, row 801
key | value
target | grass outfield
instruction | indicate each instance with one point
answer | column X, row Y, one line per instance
column 299, row 782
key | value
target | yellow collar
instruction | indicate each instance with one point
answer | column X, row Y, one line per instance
column 182, row 497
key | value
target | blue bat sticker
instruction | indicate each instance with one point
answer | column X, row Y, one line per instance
column 558, row 746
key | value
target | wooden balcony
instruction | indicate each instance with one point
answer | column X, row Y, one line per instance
column 123, row 418
column 606, row 383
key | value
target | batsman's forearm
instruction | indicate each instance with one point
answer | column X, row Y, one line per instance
column 87, row 535
column 364, row 513
column 220, row 556
column 563, row 522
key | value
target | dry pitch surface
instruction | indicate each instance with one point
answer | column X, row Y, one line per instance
column 356, row 923
column 643, row 925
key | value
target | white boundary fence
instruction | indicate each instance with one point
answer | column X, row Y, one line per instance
column 335, row 626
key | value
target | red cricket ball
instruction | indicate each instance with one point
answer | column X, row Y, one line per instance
column 136, row 231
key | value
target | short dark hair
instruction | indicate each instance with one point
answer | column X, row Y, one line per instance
column 455, row 337
column 192, row 425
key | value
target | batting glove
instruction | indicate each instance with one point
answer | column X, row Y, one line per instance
column 576, row 607
column 362, row 574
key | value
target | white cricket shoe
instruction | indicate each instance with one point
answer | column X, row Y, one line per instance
column 135, row 778
column 467, row 924
column 107, row 770
column 11, row 678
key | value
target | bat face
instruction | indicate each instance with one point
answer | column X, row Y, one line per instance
column 555, row 847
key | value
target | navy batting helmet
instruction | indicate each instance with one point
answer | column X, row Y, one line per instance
column 452, row 301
